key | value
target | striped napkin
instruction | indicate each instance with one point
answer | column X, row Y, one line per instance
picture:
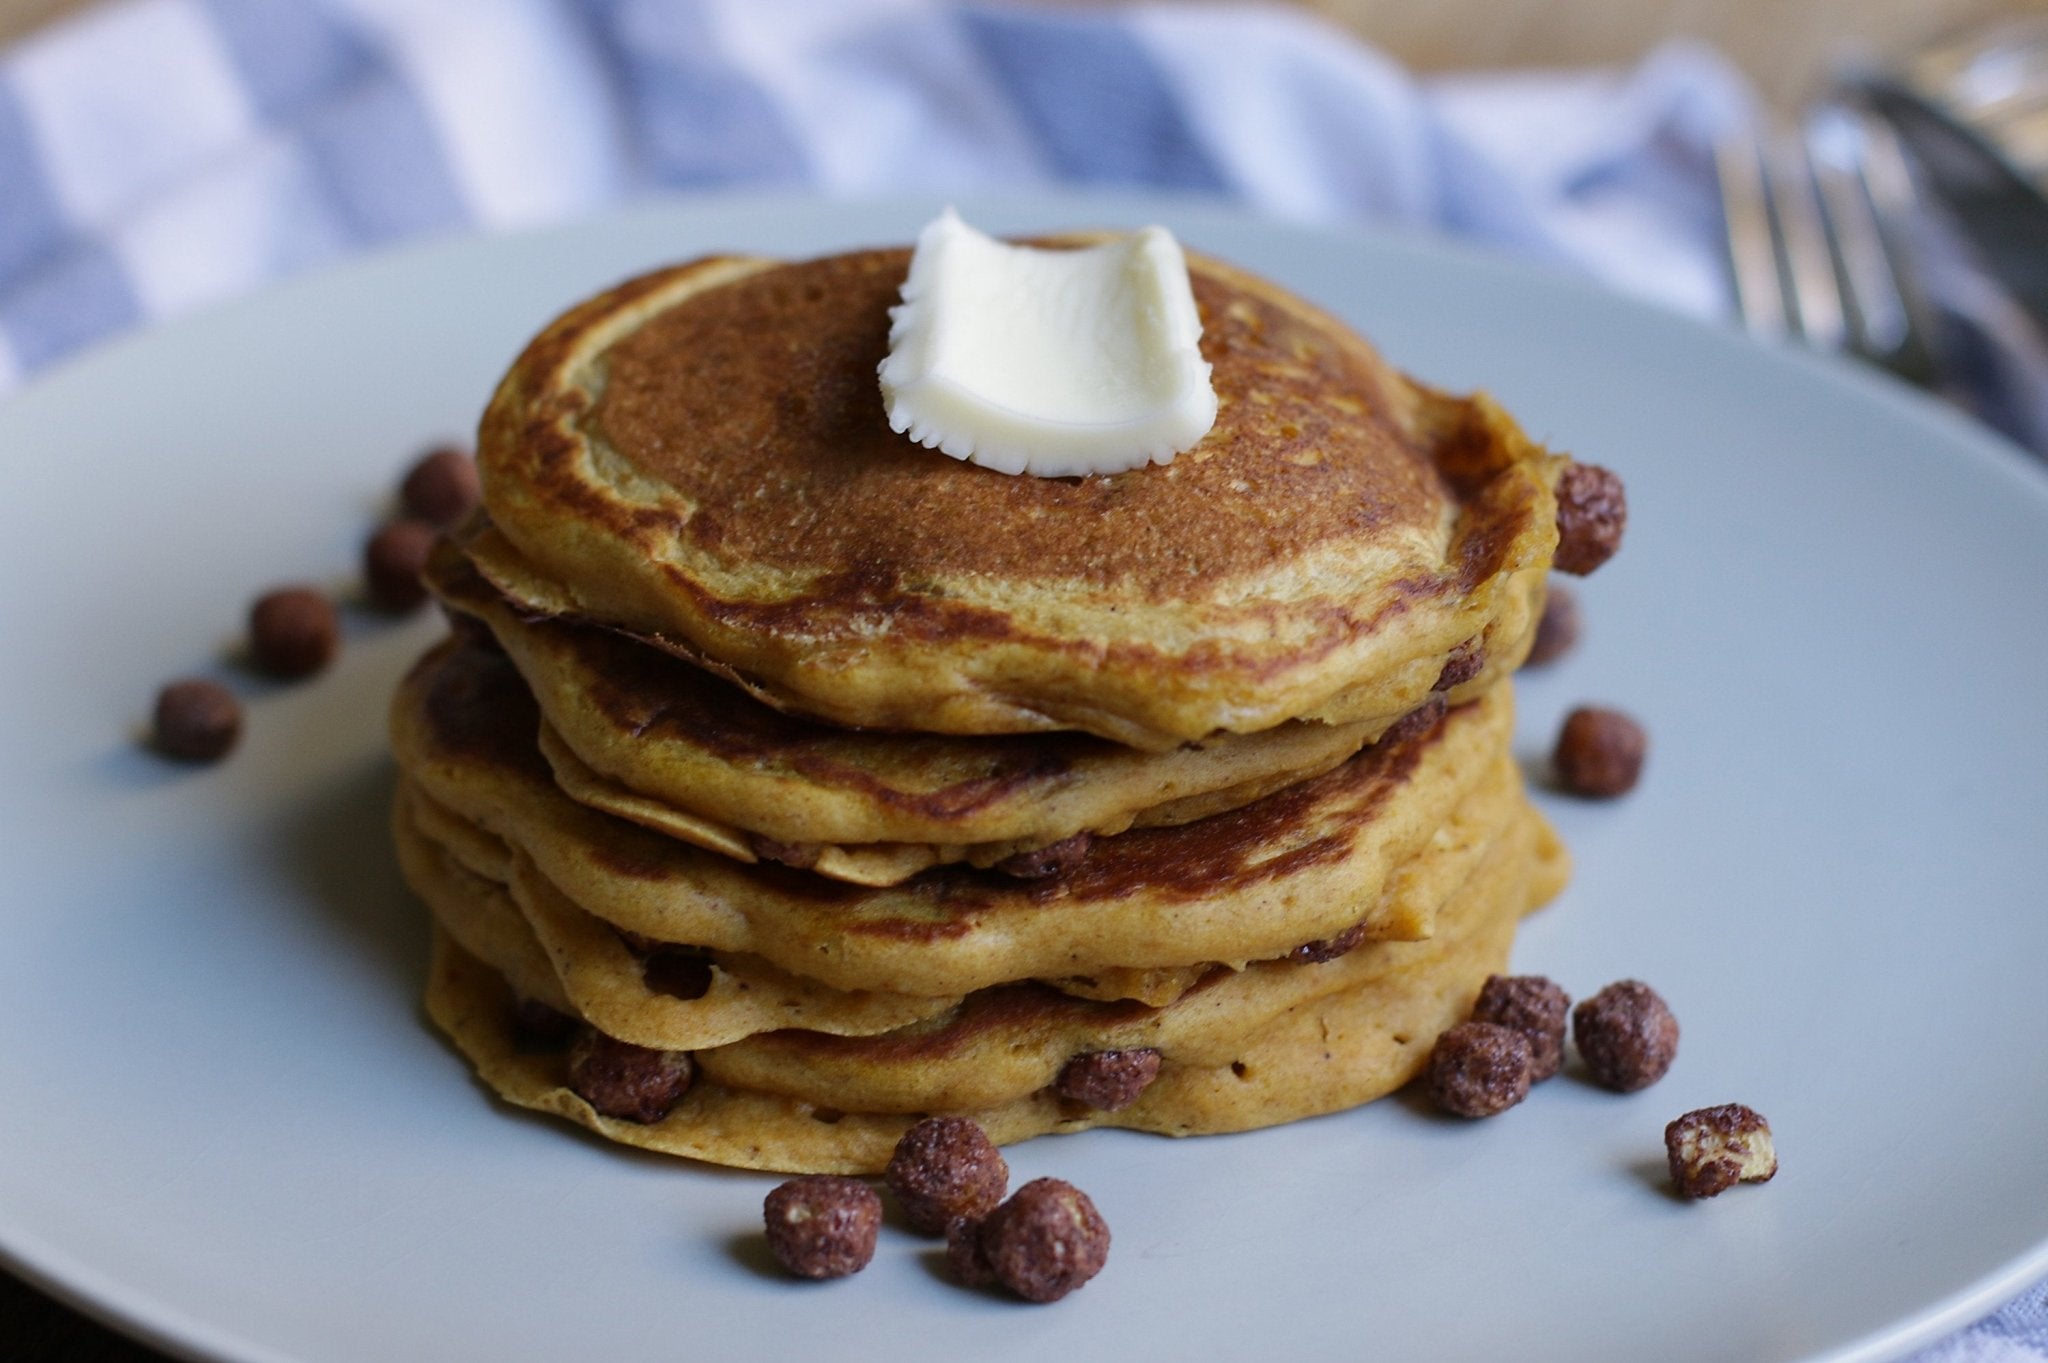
column 158, row 155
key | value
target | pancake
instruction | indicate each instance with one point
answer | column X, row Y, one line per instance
column 1300, row 865
column 496, row 904
column 636, row 732
column 1363, row 1033
column 700, row 457
column 551, row 951
column 472, row 849
column 1004, row 1043
column 996, row 1043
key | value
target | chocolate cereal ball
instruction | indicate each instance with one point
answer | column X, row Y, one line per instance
column 1712, row 1149
column 537, row 1026
column 946, row 1169
column 628, row 1082
column 1329, row 948
column 393, row 562
column 822, row 1225
column 196, row 720
column 1592, row 513
column 1626, row 1035
column 1479, row 1069
column 1599, row 753
column 1533, row 1006
column 1046, row 1241
column 1467, row 661
column 293, row 631
column 964, row 1254
column 677, row 971
column 442, row 487
column 1108, row 1081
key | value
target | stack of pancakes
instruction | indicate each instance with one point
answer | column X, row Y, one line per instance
column 882, row 785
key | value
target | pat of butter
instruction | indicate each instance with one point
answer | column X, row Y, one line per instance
column 1051, row 362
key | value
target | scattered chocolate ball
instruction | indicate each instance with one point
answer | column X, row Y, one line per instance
column 1533, row 1006
column 196, row 720
column 1479, row 1069
column 442, row 487
column 1599, row 753
column 1557, row 632
column 1046, row 1241
column 1715, row 1148
column 393, row 561
column 1108, row 1080
column 822, row 1225
column 1626, row 1035
column 631, row 1083
column 964, row 1256
column 1592, row 512
column 946, row 1169
column 293, row 632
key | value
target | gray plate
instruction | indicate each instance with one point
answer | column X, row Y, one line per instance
column 226, row 1127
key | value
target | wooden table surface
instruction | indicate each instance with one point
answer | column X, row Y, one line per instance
column 1786, row 46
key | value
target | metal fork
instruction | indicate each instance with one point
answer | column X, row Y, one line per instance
column 1818, row 232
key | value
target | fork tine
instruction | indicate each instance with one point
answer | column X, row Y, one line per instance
column 1752, row 253
column 1807, row 258
column 1818, row 230
column 1878, row 318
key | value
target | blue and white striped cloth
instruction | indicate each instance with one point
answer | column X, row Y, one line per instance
column 157, row 155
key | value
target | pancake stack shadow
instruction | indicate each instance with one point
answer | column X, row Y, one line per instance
column 782, row 783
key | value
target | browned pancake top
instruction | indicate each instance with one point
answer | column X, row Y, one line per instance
column 758, row 400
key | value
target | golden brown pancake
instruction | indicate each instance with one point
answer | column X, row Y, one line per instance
column 1005, row 1042
column 463, row 845
column 1302, row 864
column 555, row 953
column 886, row 785
column 639, row 733
column 973, row 1052
column 493, row 900
column 1253, row 1049
column 701, row 457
